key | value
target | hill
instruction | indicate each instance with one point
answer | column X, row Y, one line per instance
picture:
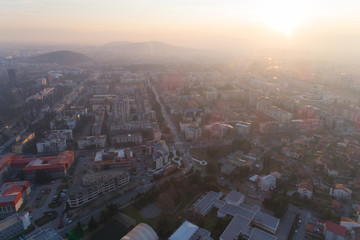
column 61, row 57
column 141, row 50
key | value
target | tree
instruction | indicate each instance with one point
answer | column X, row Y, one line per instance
column 104, row 216
column 92, row 224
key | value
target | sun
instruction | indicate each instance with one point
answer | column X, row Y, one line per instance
column 282, row 15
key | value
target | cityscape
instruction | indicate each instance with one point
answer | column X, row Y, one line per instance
column 128, row 129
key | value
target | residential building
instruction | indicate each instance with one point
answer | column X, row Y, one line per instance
column 334, row 231
column 305, row 189
column 95, row 184
column 12, row 196
column 53, row 145
column 341, row 191
column 243, row 128
column 126, row 138
column 14, row 225
column 21, row 142
column 92, row 141
column 267, row 182
column 159, row 152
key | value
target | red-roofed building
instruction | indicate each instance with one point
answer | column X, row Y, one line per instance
column 57, row 166
column 341, row 191
column 334, row 231
column 305, row 189
column 5, row 162
column 12, row 195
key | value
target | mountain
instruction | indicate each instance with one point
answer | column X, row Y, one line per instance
column 62, row 58
column 141, row 50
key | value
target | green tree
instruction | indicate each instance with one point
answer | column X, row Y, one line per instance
column 92, row 224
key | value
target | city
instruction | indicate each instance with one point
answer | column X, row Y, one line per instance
column 149, row 140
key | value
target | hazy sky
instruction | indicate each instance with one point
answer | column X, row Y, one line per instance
column 183, row 22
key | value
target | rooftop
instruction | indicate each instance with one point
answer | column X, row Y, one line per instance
column 336, row 228
column 184, row 232
column 237, row 225
column 266, row 220
column 258, row 234
column 9, row 221
column 234, row 197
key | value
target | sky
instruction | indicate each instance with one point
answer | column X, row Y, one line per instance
column 322, row 24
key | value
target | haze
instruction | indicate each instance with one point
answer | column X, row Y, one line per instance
column 331, row 28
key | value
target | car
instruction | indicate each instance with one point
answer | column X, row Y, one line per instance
column 55, row 196
column 53, row 181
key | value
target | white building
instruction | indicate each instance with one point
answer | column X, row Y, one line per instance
column 243, row 128
column 95, row 184
column 267, row 182
column 341, row 191
column 53, row 145
column 305, row 190
column 92, row 141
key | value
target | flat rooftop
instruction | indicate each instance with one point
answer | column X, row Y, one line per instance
column 9, row 221
column 234, row 196
column 206, row 201
column 234, row 210
column 184, row 232
column 237, row 225
column 258, row 234
column 263, row 219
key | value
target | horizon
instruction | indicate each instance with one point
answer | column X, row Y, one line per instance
column 327, row 27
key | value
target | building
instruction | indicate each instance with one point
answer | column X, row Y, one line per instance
column 12, row 75
column 14, row 225
column 184, row 232
column 12, row 196
column 243, row 128
column 92, row 141
column 21, row 142
column 305, row 189
column 95, row 184
column 234, row 198
column 53, row 145
column 334, row 231
column 123, row 158
column 142, row 231
column 125, row 138
column 204, row 204
column 257, row 234
column 48, row 234
column 272, row 111
column 5, row 166
column 267, row 182
column 56, row 166
column 341, row 191
column 121, row 108
column 159, row 152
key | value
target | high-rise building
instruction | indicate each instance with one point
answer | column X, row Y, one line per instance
column 12, row 74
column 122, row 108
